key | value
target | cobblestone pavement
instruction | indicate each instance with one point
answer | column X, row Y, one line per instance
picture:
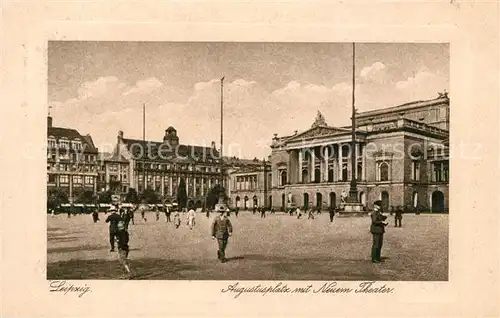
column 279, row 247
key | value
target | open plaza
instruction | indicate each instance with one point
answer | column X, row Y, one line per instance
column 279, row 247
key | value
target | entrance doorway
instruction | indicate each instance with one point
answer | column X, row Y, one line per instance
column 437, row 202
column 306, row 200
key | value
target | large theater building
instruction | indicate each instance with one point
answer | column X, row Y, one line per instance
column 401, row 159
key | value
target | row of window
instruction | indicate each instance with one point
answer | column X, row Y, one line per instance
column 71, row 167
column 173, row 166
column 64, row 179
column 64, row 143
column 440, row 173
column 71, row 156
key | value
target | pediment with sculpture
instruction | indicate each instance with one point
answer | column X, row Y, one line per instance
column 319, row 132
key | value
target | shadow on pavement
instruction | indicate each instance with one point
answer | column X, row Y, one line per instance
column 68, row 249
column 148, row 268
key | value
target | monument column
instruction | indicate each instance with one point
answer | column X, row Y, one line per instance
column 300, row 165
column 357, row 156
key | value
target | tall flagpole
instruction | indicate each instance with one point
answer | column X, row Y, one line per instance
column 353, row 191
column 222, row 131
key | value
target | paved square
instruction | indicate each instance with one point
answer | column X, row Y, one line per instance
column 279, row 247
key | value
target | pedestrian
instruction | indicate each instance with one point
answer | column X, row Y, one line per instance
column 310, row 214
column 331, row 211
column 113, row 220
column 157, row 213
column 95, row 216
column 398, row 216
column 132, row 211
column 143, row 212
column 126, row 218
column 290, row 211
column 377, row 229
column 254, row 209
column 262, row 213
column 191, row 218
column 299, row 213
column 177, row 219
column 123, row 248
column 222, row 230
column 167, row 213
column 208, row 213
column 236, row 211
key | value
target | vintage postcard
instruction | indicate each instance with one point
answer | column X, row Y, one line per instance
column 272, row 168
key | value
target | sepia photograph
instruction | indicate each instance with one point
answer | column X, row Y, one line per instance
column 248, row 161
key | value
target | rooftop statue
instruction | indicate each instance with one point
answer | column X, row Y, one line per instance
column 319, row 121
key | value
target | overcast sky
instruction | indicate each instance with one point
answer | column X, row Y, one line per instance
column 99, row 87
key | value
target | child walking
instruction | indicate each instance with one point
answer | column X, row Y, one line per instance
column 123, row 248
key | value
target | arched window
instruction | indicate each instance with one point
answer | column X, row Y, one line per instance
column 305, row 176
column 330, row 174
column 282, row 177
column 383, row 171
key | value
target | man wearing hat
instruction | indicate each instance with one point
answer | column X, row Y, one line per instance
column 377, row 229
column 221, row 230
column 113, row 220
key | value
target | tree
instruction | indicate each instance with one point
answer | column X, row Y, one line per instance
column 181, row 194
column 105, row 197
column 149, row 196
column 56, row 197
column 86, row 197
column 132, row 196
column 213, row 196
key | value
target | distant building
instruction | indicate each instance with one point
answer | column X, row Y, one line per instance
column 114, row 173
column 160, row 166
column 72, row 164
column 247, row 188
column 402, row 159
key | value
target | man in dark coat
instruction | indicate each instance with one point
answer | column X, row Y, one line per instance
column 221, row 230
column 377, row 229
column 332, row 213
column 113, row 220
column 398, row 216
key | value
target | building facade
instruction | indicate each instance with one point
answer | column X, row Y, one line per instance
column 250, row 183
column 161, row 165
column 401, row 159
column 72, row 162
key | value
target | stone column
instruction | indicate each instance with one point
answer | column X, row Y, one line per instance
column 95, row 184
column 162, row 185
column 313, row 166
column 170, row 189
column 187, row 186
column 325, row 171
column 194, row 187
column 209, row 184
column 339, row 162
column 363, row 165
column 357, row 156
column 300, row 165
